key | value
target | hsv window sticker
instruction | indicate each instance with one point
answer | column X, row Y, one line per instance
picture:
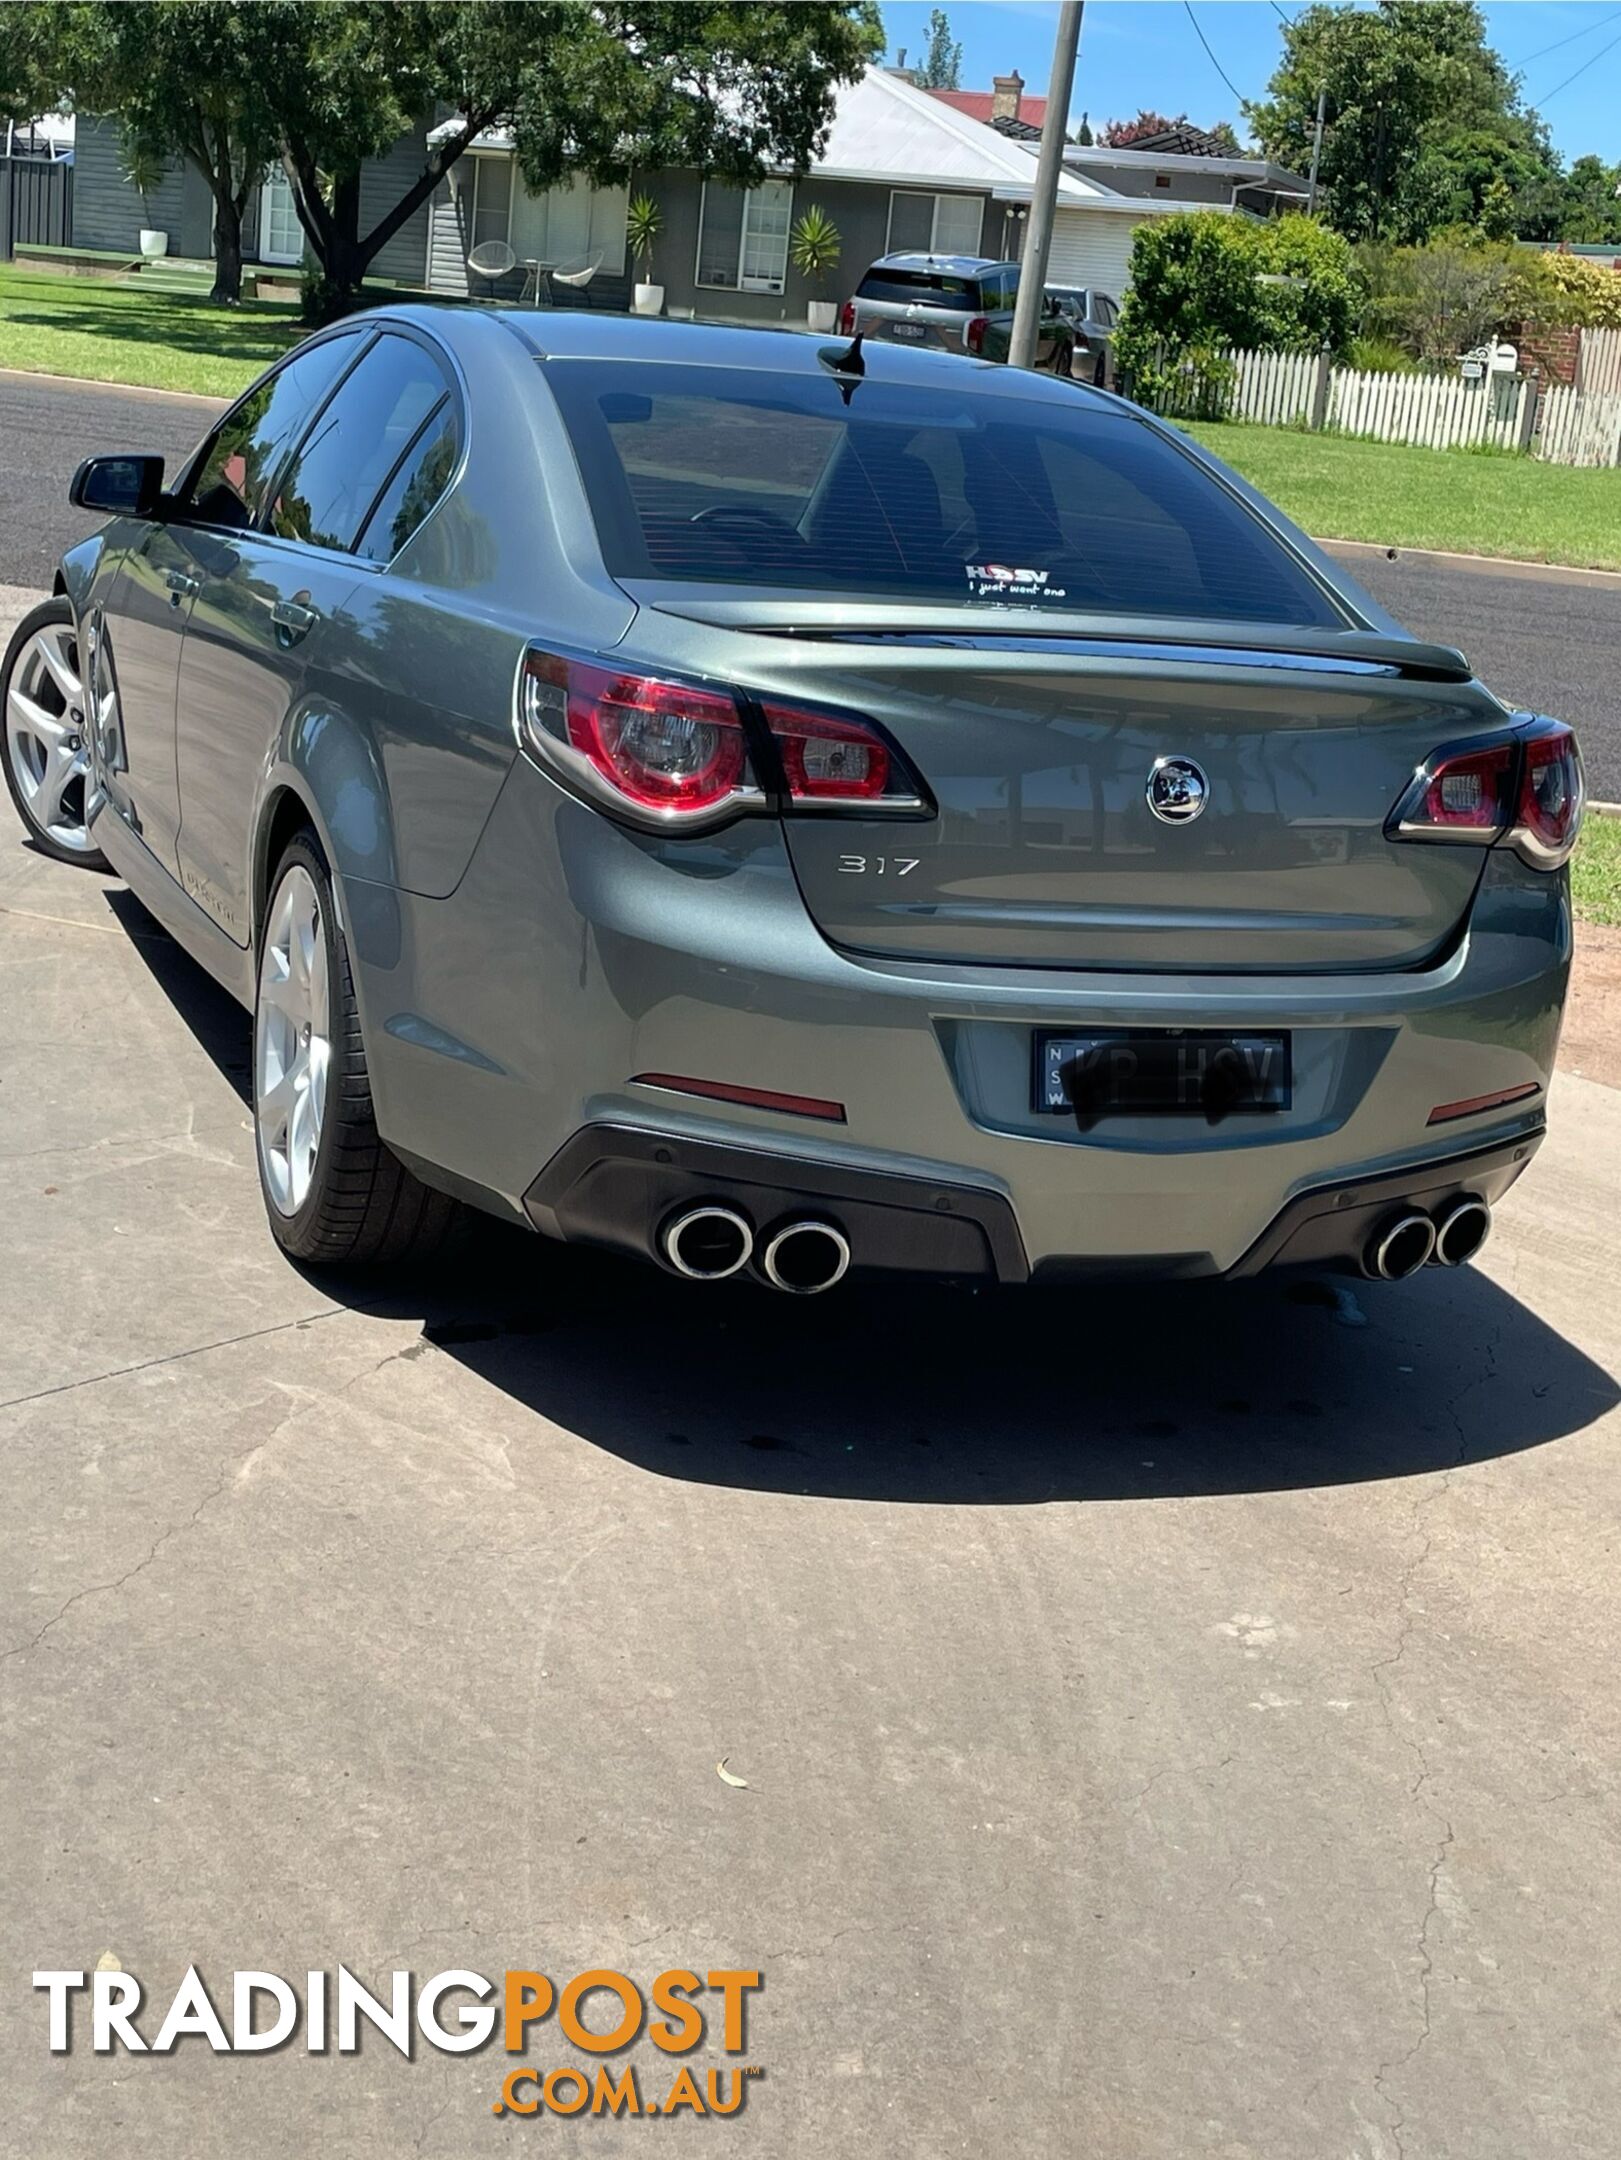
column 1000, row 581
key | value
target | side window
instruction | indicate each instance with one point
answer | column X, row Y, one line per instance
column 252, row 438
column 419, row 480
column 356, row 442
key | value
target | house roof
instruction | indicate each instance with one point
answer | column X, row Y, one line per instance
column 886, row 130
column 1097, row 159
column 977, row 105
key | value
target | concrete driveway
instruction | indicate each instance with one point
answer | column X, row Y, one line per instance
column 1174, row 1723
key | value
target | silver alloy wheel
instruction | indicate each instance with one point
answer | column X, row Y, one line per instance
column 47, row 740
column 292, row 1042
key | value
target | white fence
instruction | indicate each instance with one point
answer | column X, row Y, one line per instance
column 1581, row 427
column 1599, row 368
column 1435, row 412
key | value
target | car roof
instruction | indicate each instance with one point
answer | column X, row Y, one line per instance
column 599, row 334
column 955, row 265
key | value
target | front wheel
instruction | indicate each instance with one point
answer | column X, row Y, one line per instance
column 47, row 738
column 332, row 1189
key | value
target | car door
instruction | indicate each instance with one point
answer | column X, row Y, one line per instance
column 267, row 600
column 145, row 622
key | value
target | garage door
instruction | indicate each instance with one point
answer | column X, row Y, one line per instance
column 1092, row 248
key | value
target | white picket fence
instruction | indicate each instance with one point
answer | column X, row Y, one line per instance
column 1599, row 369
column 1275, row 388
column 1581, row 427
column 1435, row 412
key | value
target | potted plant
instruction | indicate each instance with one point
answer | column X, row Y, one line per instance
column 644, row 221
column 143, row 171
column 813, row 246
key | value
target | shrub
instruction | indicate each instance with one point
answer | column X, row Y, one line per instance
column 1203, row 280
column 1565, row 291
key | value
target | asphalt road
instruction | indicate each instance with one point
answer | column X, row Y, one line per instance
column 1174, row 1725
column 1552, row 646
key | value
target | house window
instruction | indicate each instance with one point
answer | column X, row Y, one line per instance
column 490, row 217
column 934, row 224
column 743, row 236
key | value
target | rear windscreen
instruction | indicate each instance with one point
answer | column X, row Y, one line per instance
column 741, row 477
column 920, row 288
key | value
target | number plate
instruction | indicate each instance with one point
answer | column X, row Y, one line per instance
column 1186, row 1072
column 911, row 329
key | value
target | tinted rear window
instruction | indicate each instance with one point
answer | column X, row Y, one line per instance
column 745, row 478
column 919, row 288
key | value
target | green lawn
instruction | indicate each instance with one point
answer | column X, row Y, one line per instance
column 1595, row 871
column 104, row 332
column 1478, row 504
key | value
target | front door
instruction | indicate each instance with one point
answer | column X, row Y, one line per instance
column 137, row 658
column 281, row 237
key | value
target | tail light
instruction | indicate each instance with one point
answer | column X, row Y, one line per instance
column 974, row 336
column 847, row 318
column 1525, row 788
column 667, row 753
column 671, row 751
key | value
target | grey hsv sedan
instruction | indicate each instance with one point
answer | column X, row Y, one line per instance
column 758, row 802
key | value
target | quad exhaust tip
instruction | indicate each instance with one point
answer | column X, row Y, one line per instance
column 805, row 1257
column 1401, row 1248
column 707, row 1243
column 1461, row 1231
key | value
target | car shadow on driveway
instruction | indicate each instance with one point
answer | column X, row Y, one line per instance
column 948, row 1396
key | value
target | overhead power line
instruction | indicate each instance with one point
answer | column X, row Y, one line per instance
column 1586, row 30
column 1214, row 62
column 1582, row 70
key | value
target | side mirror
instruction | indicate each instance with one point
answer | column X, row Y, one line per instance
column 118, row 486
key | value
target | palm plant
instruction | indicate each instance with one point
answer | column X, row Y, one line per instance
column 814, row 245
column 644, row 221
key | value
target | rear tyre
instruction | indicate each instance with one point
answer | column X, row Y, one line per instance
column 333, row 1191
column 46, row 741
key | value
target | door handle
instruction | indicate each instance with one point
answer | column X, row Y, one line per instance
column 293, row 620
column 182, row 586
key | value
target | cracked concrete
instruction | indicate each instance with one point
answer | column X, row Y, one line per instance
column 1173, row 1725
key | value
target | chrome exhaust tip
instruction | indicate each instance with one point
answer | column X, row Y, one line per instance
column 1401, row 1248
column 805, row 1257
column 1461, row 1231
column 707, row 1243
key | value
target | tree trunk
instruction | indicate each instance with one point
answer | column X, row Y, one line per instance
column 227, row 290
column 338, row 248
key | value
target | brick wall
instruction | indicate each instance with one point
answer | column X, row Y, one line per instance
column 1553, row 353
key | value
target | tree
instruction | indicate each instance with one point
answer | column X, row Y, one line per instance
column 1590, row 207
column 1083, row 134
column 1121, row 134
column 941, row 65
column 1404, row 80
column 180, row 75
column 1202, row 281
column 605, row 90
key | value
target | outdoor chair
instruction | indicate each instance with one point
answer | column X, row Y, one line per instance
column 576, row 278
column 492, row 260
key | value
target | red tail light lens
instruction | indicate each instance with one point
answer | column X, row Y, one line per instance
column 1527, row 788
column 847, row 318
column 1549, row 815
column 666, row 749
column 1470, row 794
column 831, row 758
column 974, row 336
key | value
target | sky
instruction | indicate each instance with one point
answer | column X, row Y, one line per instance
column 1137, row 53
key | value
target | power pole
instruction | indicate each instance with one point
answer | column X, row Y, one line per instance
column 1049, row 167
column 1316, row 149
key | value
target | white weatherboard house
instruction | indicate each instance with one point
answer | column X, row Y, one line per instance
column 901, row 168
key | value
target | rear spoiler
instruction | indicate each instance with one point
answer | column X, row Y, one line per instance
column 1054, row 631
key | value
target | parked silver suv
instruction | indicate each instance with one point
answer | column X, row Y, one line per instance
column 963, row 303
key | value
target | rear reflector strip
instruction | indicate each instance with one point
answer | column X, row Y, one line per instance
column 1472, row 1105
column 816, row 1106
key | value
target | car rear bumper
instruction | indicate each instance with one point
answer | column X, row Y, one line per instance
column 576, row 960
column 621, row 1186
